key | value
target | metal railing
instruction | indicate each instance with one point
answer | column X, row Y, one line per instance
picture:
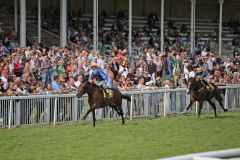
column 60, row 108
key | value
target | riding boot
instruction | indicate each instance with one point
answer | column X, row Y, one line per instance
column 206, row 84
column 211, row 87
column 105, row 94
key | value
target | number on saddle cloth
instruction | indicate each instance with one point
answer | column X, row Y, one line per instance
column 109, row 93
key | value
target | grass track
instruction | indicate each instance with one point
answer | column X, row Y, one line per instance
column 137, row 139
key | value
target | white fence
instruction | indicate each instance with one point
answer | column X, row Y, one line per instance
column 52, row 109
column 213, row 155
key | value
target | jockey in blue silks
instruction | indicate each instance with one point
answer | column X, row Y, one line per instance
column 100, row 78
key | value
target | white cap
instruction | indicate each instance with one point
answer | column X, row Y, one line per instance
column 192, row 74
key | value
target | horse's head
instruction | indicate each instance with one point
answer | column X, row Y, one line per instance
column 82, row 89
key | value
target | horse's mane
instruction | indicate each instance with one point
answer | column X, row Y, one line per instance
column 92, row 84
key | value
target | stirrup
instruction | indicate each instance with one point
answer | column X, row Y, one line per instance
column 208, row 88
column 211, row 87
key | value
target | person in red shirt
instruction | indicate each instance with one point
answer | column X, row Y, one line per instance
column 18, row 67
column 120, row 56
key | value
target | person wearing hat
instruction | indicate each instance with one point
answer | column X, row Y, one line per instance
column 45, row 70
column 200, row 74
column 99, row 77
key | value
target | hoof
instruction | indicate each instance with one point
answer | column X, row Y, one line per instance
column 225, row 110
column 83, row 118
column 184, row 112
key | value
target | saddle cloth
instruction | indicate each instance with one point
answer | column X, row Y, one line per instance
column 110, row 93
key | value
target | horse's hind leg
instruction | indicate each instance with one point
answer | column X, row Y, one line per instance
column 200, row 108
column 93, row 117
column 116, row 109
column 123, row 122
column 119, row 112
column 84, row 117
column 190, row 104
column 213, row 106
column 220, row 101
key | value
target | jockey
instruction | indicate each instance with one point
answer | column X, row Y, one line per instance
column 99, row 77
column 201, row 75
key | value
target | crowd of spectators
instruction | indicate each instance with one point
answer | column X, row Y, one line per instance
column 48, row 70
column 39, row 69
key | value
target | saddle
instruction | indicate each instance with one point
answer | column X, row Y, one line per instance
column 107, row 92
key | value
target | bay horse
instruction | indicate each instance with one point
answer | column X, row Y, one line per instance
column 198, row 90
column 96, row 99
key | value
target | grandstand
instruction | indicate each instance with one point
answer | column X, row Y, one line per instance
column 206, row 25
column 205, row 29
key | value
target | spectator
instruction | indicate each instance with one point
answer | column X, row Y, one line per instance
column 79, row 81
column 141, row 83
column 45, row 70
column 48, row 89
column 55, row 85
column 2, row 89
column 18, row 68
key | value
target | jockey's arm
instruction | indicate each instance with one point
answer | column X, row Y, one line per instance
column 104, row 77
column 92, row 75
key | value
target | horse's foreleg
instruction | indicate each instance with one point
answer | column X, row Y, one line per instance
column 190, row 104
column 93, row 117
column 200, row 108
column 213, row 106
column 84, row 117
column 121, row 113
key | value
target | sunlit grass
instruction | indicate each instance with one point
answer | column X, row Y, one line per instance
column 137, row 139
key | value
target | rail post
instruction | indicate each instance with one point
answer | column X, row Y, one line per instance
column 131, row 107
column 18, row 113
column 146, row 104
column 10, row 114
column 47, row 111
column 74, row 109
column 226, row 99
column 55, row 112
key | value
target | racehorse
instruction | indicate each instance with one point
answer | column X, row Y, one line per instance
column 96, row 99
column 199, row 91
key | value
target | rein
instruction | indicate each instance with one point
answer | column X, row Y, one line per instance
column 204, row 86
column 200, row 89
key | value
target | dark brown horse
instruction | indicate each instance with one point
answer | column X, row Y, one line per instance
column 200, row 91
column 96, row 99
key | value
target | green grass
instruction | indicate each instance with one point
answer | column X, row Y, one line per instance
column 137, row 139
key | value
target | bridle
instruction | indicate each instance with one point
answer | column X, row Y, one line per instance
column 204, row 86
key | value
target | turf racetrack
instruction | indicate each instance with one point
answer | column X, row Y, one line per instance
column 137, row 139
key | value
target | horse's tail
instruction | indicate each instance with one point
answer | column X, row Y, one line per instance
column 127, row 97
